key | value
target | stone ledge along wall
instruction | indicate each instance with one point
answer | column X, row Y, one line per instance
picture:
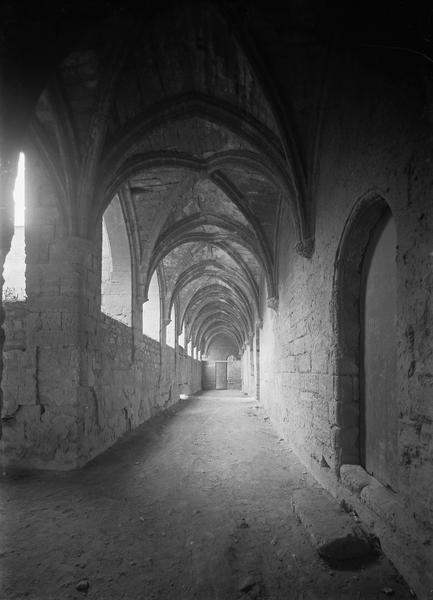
column 381, row 145
column 75, row 380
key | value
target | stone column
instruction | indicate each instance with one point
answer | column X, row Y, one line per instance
column 57, row 412
column 51, row 427
column 245, row 368
column 252, row 378
column 163, row 337
column 257, row 360
column 166, row 364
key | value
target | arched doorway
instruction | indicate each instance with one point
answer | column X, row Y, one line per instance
column 365, row 285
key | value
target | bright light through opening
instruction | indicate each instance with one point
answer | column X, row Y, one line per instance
column 19, row 193
column 14, row 288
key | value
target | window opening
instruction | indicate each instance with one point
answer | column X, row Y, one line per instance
column 14, row 287
column 116, row 279
column 152, row 311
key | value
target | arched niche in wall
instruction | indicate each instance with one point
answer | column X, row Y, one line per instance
column 365, row 297
column 152, row 310
column 116, row 279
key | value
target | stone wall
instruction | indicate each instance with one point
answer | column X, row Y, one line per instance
column 133, row 382
column 19, row 382
column 309, row 380
column 234, row 375
column 130, row 385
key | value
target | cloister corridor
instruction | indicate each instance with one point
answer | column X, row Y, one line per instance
column 194, row 505
column 216, row 316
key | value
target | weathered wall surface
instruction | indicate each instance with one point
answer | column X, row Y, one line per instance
column 133, row 381
column 129, row 387
column 380, row 146
column 19, row 383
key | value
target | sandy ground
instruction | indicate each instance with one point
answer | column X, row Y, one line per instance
column 194, row 505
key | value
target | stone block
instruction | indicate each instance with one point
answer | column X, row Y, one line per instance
column 50, row 338
column 70, row 283
column 320, row 358
column 38, row 250
column 343, row 388
column 346, row 439
column 355, row 477
column 381, row 500
column 18, row 324
column 51, row 320
column 70, row 321
column 298, row 346
column 347, row 414
column 334, row 532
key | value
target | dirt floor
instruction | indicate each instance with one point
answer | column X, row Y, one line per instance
column 194, row 505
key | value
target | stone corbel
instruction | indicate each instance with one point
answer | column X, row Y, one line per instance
column 166, row 322
column 273, row 303
column 305, row 247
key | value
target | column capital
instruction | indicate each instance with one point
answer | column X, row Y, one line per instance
column 272, row 303
column 305, row 247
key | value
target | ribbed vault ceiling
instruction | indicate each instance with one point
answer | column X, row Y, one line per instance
column 185, row 134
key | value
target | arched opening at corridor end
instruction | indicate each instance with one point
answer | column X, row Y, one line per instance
column 221, row 367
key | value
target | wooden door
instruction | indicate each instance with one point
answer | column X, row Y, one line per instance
column 208, row 375
column 379, row 414
column 221, row 375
